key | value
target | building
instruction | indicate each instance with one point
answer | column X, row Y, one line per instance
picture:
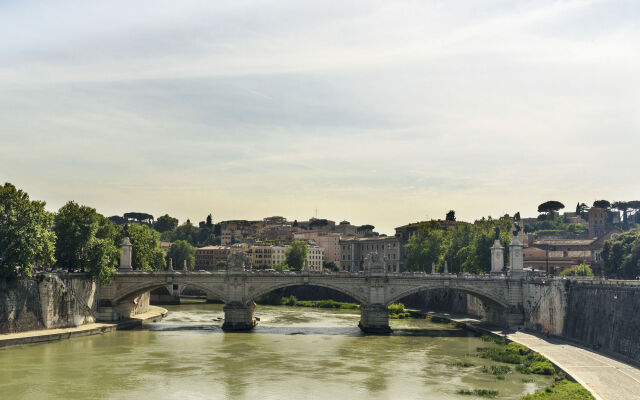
column 555, row 255
column 261, row 256
column 329, row 241
column 277, row 254
column 353, row 252
column 346, row 229
column 597, row 222
column 315, row 258
column 209, row 257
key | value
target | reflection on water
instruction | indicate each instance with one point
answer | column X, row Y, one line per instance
column 294, row 352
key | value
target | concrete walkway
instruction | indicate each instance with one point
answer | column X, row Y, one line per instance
column 49, row 335
column 605, row 377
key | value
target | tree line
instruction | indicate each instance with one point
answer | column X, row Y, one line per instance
column 465, row 247
column 77, row 238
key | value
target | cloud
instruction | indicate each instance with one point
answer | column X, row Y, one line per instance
column 385, row 111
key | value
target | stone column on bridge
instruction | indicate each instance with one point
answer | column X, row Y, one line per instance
column 238, row 315
column 446, row 268
column 374, row 317
column 433, row 268
column 171, row 264
column 516, row 259
column 125, row 258
column 497, row 258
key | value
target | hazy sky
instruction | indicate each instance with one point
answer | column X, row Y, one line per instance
column 382, row 112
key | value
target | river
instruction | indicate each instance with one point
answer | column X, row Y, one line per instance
column 294, row 353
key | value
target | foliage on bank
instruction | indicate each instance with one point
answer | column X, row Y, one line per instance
column 561, row 390
column 526, row 360
column 26, row 237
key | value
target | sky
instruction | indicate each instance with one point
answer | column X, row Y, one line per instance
column 376, row 112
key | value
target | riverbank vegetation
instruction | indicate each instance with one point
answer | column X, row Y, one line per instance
column 561, row 390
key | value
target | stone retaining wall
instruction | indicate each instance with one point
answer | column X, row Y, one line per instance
column 47, row 301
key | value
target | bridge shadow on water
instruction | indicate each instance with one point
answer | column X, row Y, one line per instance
column 307, row 330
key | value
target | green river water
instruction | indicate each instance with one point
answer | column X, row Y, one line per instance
column 294, row 353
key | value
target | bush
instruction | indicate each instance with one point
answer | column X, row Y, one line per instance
column 479, row 392
column 564, row 390
column 289, row 301
column 542, row 368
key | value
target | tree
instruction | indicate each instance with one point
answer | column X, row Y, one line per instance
column 451, row 216
column 147, row 254
column 601, row 204
column 318, row 223
column 165, row 223
column 140, row 217
column 425, row 247
column 621, row 206
column 87, row 241
column 209, row 223
column 296, row 254
column 118, row 220
column 550, row 206
column 365, row 228
column 330, row 265
column 581, row 208
column 180, row 251
column 577, row 270
column 26, row 238
column 621, row 255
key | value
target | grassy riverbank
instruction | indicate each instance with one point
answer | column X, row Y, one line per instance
column 292, row 301
column 517, row 358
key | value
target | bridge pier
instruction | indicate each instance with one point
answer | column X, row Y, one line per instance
column 374, row 318
column 239, row 316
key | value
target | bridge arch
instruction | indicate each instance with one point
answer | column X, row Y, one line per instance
column 359, row 297
column 140, row 288
column 488, row 298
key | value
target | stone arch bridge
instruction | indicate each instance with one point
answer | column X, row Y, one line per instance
column 375, row 290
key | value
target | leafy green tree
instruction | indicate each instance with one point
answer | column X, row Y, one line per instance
column 577, row 270
column 26, row 238
column 330, row 265
column 601, row 204
column 180, row 251
column 281, row 266
column 550, row 206
column 147, row 253
column 296, row 254
column 425, row 247
column 165, row 223
column 87, row 241
column 621, row 255
column 451, row 215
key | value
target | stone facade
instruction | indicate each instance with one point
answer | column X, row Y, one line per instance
column 353, row 252
column 48, row 301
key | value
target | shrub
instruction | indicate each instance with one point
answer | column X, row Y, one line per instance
column 542, row 368
column 479, row 392
column 561, row 390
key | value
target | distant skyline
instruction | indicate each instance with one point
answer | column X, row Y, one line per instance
column 375, row 112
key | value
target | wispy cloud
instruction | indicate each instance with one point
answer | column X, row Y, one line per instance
column 381, row 112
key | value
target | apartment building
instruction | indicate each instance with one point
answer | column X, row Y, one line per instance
column 353, row 252
column 330, row 242
column 208, row 257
